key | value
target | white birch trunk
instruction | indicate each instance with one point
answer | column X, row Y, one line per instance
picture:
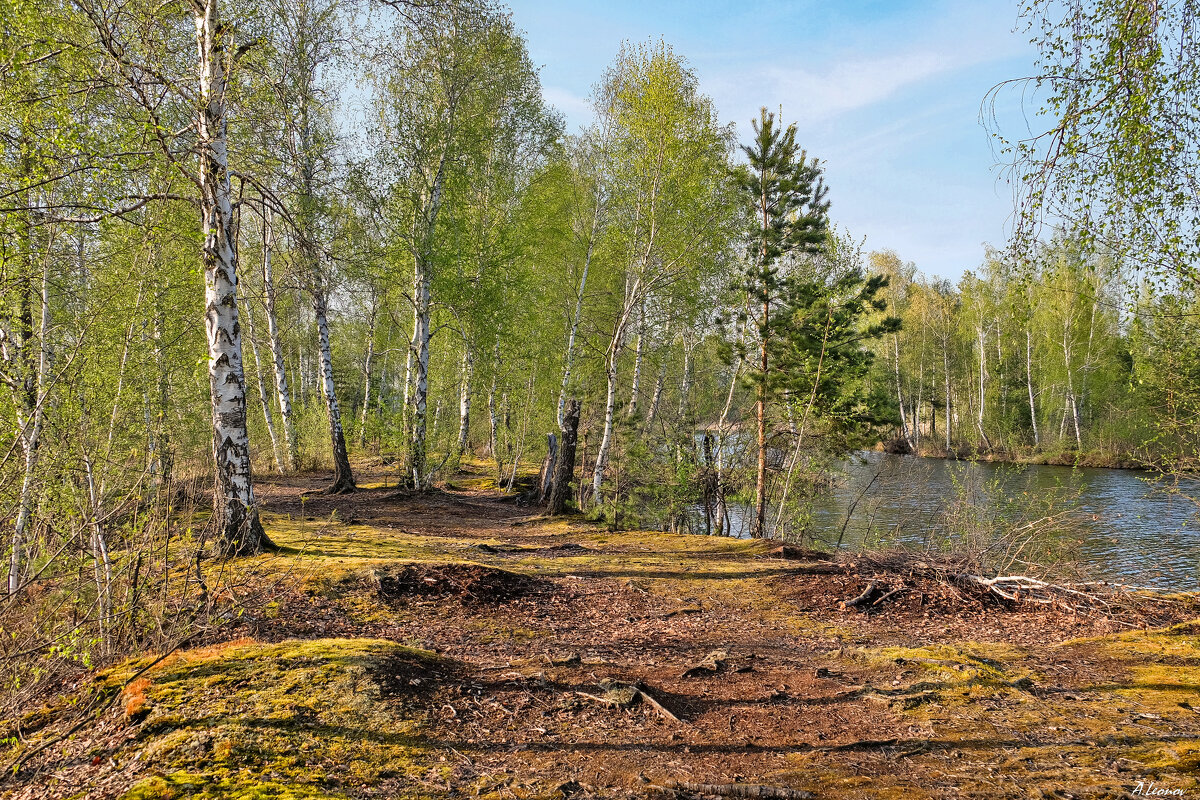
column 464, row 400
column 282, row 395
column 946, row 375
column 263, row 394
column 367, row 364
column 422, row 280
column 234, row 513
column 343, row 477
column 30, row 418
column 420, row 380
column 587, row 262
column 904, row 430
column 982, row 380
column 639, row 351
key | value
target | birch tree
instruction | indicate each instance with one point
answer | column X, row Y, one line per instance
column 670, row 211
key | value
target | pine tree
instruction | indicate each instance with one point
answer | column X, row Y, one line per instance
column 784, row 193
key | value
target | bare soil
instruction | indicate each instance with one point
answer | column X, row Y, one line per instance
column 756, row 673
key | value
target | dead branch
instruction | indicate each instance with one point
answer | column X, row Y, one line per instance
column 863, row 598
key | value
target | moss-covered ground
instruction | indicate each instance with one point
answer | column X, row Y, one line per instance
column 454, row 645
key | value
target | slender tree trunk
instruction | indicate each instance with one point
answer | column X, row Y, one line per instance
column 587, row 262
column 611, row 357
column 639, row 352
column 420, row 398
column 263, row 395
column 905, row 433
column 493, row 422
column 516, row 461
column 464, row 400
column 685, row 386
column 422, row 331
column 946, row 375
column 368, row 363
column 610, row 405
column 343, row 476
column 31, row 393
column 760, row 414
column 282, row 395
column 982, row 378
column 235, row 513
column 1033, row 417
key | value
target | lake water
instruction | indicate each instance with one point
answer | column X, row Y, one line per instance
column 1123, row 527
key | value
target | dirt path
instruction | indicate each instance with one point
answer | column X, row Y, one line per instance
column 540, row 628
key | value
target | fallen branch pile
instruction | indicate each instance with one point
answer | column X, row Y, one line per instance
column 892, row 573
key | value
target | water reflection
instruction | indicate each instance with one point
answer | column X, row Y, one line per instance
column 1127, row 528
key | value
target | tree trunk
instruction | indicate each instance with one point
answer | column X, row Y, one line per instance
column 368, row 363
column 493, row 422
column 904, row 430
column 420, row 397
column 639, row 351
column 464, row 400
column 263, row 394
column 587, row 262
column 610, row 404
column 946, row 375
column 343, row 477
column 235, row 514
column 685, row 386
column 565, row 468
column 422, row 310
column 982, row 378
column 611, row 356
column 1037, row 441
column 281, row 382
column 546, row 479
column 760, row 413
column 31, row 393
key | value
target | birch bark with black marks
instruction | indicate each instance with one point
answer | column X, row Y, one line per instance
column 282, row 395
column 343, row 476
column 422, row 328
column 235, row 513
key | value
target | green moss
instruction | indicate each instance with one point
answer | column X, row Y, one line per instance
column 296, row 719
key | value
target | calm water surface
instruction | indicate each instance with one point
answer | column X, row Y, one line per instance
column 1127, row 529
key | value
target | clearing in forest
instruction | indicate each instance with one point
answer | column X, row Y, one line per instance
column 455, row 645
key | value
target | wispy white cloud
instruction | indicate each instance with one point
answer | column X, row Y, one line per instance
column 853, row 84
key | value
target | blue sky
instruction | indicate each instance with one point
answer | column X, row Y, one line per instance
column 888, row 94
